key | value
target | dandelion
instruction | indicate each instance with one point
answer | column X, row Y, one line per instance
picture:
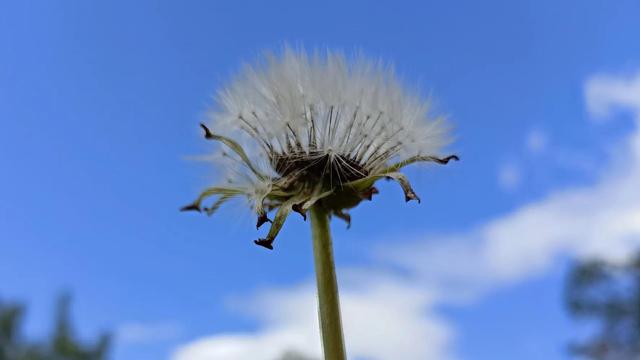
column 317, row 132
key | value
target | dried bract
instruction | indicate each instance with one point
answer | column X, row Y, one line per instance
column 317, row 130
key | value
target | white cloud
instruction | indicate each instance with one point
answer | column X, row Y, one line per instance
column 536, row 141
column 392, row 317
column 138, row 332
column 602, row 219
column 604, row 93
column 509, row 177
column 372, row 306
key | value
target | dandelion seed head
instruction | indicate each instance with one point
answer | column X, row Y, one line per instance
column 319, row 129
column 324, row 102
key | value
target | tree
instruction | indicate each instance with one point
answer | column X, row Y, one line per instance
column 62, row 345
column 607, row 295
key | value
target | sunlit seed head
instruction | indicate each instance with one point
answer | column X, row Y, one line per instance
column 319, row 130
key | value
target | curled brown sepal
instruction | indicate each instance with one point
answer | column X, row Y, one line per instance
column 207, row 132
column 367, row 182
column 225, row 193
column 267, row 243
column 302, row 207
column 300, row 210
column 445, row 160
column 262, row 218
column 368, row 194
column 409, row 194
column 277, row 223
column 344, row 216
column 235, row 147
column 191, row 207
column 421, row 158
column 223, row 199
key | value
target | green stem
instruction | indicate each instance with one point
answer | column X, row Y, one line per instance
column 328, row 301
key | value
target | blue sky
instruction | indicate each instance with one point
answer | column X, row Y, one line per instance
column 99, row 106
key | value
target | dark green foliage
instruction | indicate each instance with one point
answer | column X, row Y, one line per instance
column 608, row 295
column 62, row 345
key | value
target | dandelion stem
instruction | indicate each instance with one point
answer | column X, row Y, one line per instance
column 328, row 301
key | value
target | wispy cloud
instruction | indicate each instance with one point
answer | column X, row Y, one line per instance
column 394, row 317
column 605, row 93
column 536, row 141
column 509, row 176
column 372, row 304
column 602, row 219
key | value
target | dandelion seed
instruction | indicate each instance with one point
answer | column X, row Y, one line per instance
column 317, row 130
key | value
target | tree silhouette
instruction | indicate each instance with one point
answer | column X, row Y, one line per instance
column 62, row 345
column 607, row 295
column 10, row 319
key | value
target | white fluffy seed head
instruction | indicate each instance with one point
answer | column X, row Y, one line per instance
column 325, row 104
column 317, row 131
